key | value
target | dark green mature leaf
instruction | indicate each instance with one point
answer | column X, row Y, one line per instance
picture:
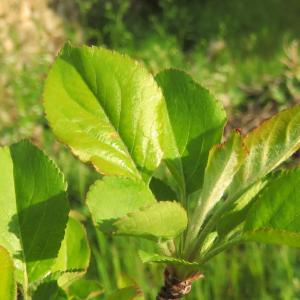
column 114, row 197
column 8, row 287
column 162, row 220
column 34, row 209
column 268, row 145
column 275, row 216
column 108, row 109
column 49, row 291
column 197, row 120
column 223, row 163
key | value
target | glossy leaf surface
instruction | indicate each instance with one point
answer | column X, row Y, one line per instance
column 107, row 108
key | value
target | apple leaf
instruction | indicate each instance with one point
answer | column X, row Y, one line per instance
column 34, row 209
column 196, row 124
column 114, row 197
column 148, row 257
column 8, row 287
column 275, row 215
column 223, row 162
column 107, row 108
column 268, row 145
column 162, row 220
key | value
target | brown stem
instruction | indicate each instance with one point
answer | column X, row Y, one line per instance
column 175, row 288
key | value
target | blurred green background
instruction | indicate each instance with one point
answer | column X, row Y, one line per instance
column 246, row 52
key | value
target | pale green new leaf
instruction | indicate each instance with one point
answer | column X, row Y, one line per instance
column 268, row 145
column 148, row 257
column 34, row 209
column 8, row 287
column 107, row 108
column 196, row 124
column 275, row 216
column 223, row 162
column 114, row 197
column 162, row 220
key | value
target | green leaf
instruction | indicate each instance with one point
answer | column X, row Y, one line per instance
column 162, row 220
column 196, row 124
column 85, row 289
column 8, row 288
column 74, row 253
column 274, row 217
column 268, row 145
column 49, row 291
column 34, row 209
column 148, row 257
column 223, row 162
column 114, row 197
column 236, row 214
column 107, row 108
column 128, row 293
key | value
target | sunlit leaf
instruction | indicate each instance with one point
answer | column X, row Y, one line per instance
column 107, row 108
column 114, row 197
column 8, row 288
column 269, row 145
column 162, row 220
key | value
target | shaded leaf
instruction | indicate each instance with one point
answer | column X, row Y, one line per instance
column 236, row 215
column 34, row 209
column 196, row 124
column 162, row 220
column 107, row 108
column 49, row 291
column 74, row 252
column 8, row 288
column 275, row 216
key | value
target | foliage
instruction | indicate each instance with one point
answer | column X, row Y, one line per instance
column 112, row 113
column 34, row 219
